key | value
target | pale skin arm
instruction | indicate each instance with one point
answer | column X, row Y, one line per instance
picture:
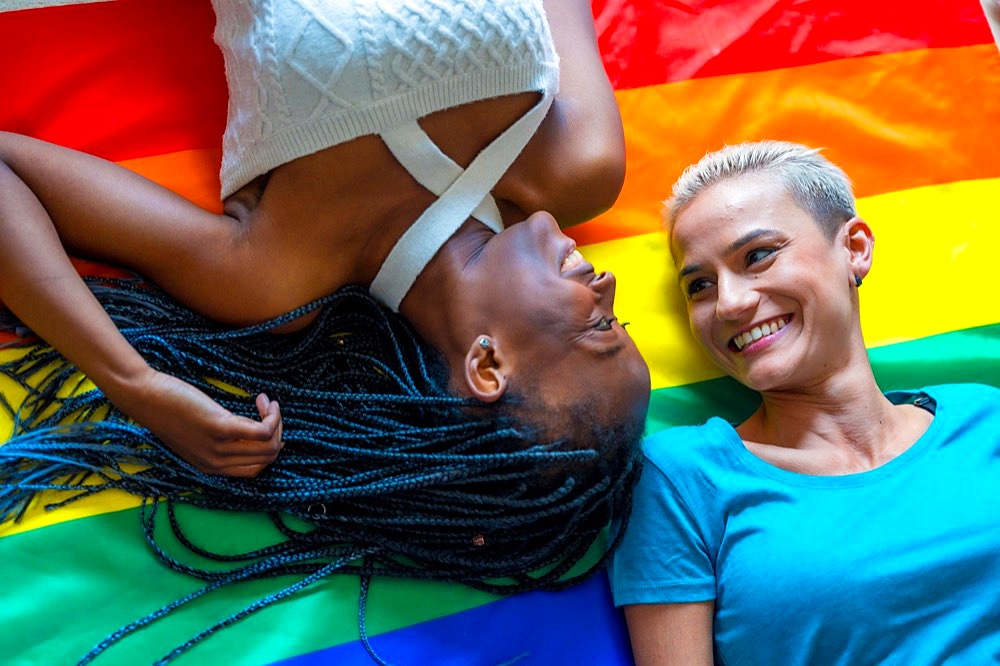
column 671, row 634
column 52, row 199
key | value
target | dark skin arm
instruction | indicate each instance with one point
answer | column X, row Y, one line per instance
column 992, row 10
column 40, row 285
column 574, row 165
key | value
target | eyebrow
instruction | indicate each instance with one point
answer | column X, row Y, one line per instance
column 745, row 239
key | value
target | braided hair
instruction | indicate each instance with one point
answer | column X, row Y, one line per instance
column 390, row 474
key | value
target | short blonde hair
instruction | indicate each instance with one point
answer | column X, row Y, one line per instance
column 817, row 185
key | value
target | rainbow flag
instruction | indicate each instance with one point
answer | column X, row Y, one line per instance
column 904, row 96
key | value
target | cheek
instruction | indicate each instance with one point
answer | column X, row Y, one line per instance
column 700, row 320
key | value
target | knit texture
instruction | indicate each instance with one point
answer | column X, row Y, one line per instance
column 308, row 74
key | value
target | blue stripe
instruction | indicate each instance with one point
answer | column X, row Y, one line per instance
column 576, row 626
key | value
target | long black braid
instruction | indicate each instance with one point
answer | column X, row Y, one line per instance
column 391, row 474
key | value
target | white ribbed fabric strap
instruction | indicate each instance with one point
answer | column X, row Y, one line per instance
column 418, row 245
column 433, row 169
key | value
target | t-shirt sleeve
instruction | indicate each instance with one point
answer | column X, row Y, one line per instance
column 663, row 557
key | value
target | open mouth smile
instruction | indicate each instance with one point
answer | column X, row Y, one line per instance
column 758, row 332
column 571, row 261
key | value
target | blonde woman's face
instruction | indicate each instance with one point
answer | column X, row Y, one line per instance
column 768, row 294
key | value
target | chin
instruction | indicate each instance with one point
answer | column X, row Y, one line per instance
column 761, row 381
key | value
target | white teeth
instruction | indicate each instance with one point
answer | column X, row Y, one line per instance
column 758, row 332
column 572, row 260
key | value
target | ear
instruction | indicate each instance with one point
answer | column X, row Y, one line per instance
column 860, row 243
column 485, row 370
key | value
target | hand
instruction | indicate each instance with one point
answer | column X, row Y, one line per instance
column 200, row 430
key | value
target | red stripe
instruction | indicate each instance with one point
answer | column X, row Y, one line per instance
column 117, row 79
column 133, row 78
column 649, row 42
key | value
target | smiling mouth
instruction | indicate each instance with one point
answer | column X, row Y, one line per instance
column 758, row 332
column 572, row 260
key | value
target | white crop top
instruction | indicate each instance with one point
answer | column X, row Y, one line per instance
column 308, row 74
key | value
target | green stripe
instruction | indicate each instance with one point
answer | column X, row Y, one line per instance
column 69, row 585
column 970, row 355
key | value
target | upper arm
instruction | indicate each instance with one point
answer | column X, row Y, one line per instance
column 107, row 213
column 671, row 634
column 574, row 166
column 992, row 10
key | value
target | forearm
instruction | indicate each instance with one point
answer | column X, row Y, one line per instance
column 39, row 284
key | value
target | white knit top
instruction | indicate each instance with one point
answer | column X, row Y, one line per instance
column 308, row 74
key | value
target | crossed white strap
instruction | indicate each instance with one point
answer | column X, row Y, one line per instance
column 462, row 193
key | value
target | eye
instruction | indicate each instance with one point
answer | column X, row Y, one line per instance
column 758, row 255
column 604, row 323
column 696, row 286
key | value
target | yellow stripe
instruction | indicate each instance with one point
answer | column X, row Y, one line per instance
column 105, row 502
column 935, row 248
column 37, row 516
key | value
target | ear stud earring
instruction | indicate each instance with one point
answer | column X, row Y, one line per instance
column 857, row 280
column 484, row 343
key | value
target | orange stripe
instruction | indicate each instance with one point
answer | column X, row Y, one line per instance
column 893, row 122
column 193, row 174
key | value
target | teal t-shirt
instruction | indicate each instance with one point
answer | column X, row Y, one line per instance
column 897, row 565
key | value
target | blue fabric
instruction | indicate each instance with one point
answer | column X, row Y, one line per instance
column 897, row 565
column 575, row 626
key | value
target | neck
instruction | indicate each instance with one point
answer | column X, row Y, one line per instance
column 845, row 415
column 437, row 306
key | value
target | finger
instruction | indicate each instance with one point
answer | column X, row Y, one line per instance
column 242, row 427
column 237, row 454
column 247, row 450
column 273, row 416
column 281, row 424
column 270, row 412
column 263, row 403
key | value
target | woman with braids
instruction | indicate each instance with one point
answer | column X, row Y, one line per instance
column 356, row 154
column 426, row 151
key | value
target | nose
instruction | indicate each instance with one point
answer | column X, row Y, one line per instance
column 605, row 284
column 735, row 296
column 542, row 222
